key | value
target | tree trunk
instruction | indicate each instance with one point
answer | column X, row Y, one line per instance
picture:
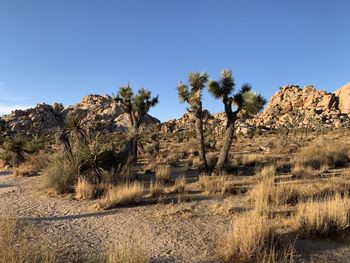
column 225, row 150
column 135, row 151
column 229, row 134
column 200, row 138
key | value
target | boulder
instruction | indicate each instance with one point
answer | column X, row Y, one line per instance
column 343, row 95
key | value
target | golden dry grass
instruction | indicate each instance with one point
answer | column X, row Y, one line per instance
column 127, row 254
column 322, row 218
column 252, row 238
column 84, row 190
column 156, row 189
column 15, row 246
column 216, row 184
column 122, row 195
column 180, row 185
column 163, row 173
column 323, row 152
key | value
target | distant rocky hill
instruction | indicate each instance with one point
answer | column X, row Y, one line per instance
column 305, row 106
column 96, row 113
column 290, row 106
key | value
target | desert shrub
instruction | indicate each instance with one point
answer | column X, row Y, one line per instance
column 267, row 193
column 180, row 185
column 121, row 195
column 84, row 190
column 252, row 238
column 150, row 166
column 194, row 161
column 61, row 174
column 127, row 254
column 251, row 159
column 323, row 152
column 15, row 246
column 33, row 165
column 163, row 173
column 156, row 189
column 322, row 218
column 218, row 185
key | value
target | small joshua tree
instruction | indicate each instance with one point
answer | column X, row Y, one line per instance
column 136, row 106
column 246, row 101
column 193, row 97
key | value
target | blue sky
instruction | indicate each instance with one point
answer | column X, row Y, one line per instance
column 61, row 50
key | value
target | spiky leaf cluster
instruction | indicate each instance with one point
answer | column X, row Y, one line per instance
column 137, row 104
column 193, row 95
column 245, row 99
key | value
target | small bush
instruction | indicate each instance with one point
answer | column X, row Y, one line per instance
column 253, row 239
column 123, row 254
column 15, row 246
column 61, row 174
column 84, row 190
column 156, row 189
column 163, row 173
column 180, row 185
column 121, row 195
column 216, row 184
column 320, row 219
column 323, row 152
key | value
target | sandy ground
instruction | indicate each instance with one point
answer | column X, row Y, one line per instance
column 180, row 232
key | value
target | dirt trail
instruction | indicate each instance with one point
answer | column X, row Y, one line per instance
column 184, row 232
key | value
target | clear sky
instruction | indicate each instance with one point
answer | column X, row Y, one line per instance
column 61, row 50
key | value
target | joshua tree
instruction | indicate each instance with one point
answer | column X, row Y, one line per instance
column 246, row 101
column 136, row 106
column 193, row 97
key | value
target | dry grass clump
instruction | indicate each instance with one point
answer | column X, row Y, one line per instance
column 267, row 193
column 16, row 248
column 122, row 195
column 150, row 166
column 320, row 219
column 251, row 159
column 180, row 185
column 127, row 254
column 61, row 175
column 33, row 165
column 301, row 171
column 156, row 189
column 216, row 184
column 194, row 162
column 84, row 190
column 323, row 152
column 163, row 173
column 252, row 238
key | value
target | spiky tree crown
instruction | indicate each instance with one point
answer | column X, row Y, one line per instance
column 138, row 104
column 245, row 99
column 193, row 95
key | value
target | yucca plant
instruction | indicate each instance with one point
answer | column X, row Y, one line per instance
column 193, row 97
column 136, row 106
column 246, row 101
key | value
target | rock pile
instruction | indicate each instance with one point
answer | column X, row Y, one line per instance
column 97, row 113
column 295, row 106
column 290, row 106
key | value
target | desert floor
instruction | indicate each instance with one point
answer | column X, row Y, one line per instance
column 172, row 231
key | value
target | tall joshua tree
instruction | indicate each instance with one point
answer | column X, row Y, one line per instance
column 246, row 101
column 136, row 106
column 193, row 97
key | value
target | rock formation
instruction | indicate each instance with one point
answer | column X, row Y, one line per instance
column 97, row 113
column 290, row 106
